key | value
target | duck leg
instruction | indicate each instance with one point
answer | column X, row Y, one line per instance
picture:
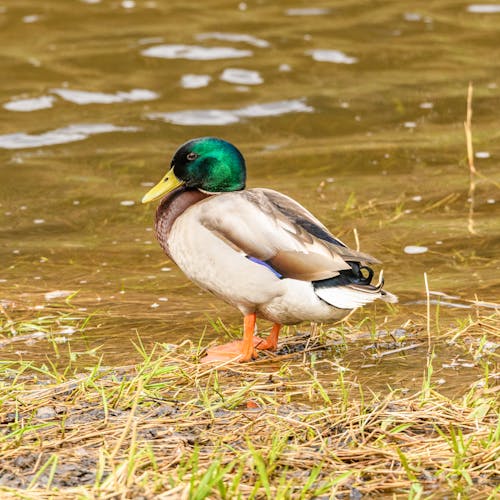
column 249, row 341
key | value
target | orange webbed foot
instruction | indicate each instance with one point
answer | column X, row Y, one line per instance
column 271, row 343
column 243, row 350
column 264, row 344
column 232, row 351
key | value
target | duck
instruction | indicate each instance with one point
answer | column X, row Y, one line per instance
column 256, row 249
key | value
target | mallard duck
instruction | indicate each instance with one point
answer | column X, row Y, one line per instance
column 257, row 249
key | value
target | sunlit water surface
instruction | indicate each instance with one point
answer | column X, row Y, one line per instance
column 354, row 108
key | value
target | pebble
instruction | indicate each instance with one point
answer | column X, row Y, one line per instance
column 46, row 412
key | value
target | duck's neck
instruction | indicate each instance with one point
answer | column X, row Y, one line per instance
column 173, row 205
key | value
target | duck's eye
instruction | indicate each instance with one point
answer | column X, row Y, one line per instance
column 191, row 156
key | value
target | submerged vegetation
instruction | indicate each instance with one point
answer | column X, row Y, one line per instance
column 299, row 425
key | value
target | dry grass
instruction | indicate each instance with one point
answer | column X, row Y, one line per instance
column 298, row 427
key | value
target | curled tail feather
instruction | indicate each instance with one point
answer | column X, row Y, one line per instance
column 352, row 295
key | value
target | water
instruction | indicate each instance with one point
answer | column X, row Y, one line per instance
column 355, row 109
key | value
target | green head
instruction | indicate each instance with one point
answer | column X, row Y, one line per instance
column 209, row 164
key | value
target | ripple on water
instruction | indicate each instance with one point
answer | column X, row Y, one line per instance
column 415, row 249
column 482, row 154
column 227, row 117
column 484, row 8
column 412, row 17
column 275, row 108
column 234, row 37
column 191, row 81
column 72, row 133
column 194, row 52
column 332, row 56
column 307, row 11
column 87, row 97
column 24, row 105
column 197, row 117
column 241, row 76
column 33, row 18
column 441, row 303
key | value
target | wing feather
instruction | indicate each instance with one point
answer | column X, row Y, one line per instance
column 274, row 228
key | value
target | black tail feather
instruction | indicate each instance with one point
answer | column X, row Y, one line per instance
column 357, row 275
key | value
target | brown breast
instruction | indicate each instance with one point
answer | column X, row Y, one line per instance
column 173, row 205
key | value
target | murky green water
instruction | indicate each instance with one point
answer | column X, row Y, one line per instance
column 354, row 108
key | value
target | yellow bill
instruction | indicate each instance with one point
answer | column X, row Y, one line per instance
column 167, row 184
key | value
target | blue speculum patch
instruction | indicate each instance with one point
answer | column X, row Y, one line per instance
column 265, row 264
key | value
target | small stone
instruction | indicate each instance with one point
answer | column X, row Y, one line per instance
column 46, row 412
